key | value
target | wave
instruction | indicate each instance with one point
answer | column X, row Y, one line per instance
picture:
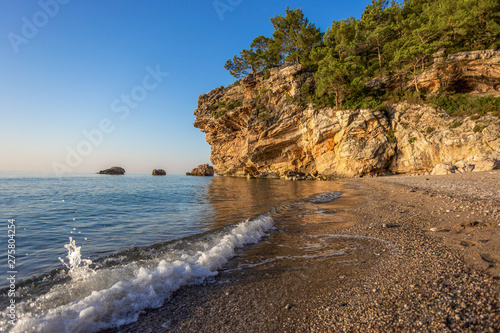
column 97, row 299
column 112, row 291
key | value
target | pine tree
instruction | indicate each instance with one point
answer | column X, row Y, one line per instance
column 423, row 35
column 336, row 76
column 471, row 24
column 238, row 66
column 264, row 53
column 393, row 38
column 294, row 35
column 341, row 38
column 377, row 26
column 259, row 56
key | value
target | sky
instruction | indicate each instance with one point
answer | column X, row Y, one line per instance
column 86, row 85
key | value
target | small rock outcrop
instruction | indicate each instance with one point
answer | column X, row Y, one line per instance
column 476, row 164
column 203, row 170
column 159, row 172
column 269, row 175
column 443, row 169
column 113, row 171
column 486, row 164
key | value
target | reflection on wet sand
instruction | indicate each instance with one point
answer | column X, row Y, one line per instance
column 236, row 199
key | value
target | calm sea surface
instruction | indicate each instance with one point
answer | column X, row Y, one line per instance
column 134, row 239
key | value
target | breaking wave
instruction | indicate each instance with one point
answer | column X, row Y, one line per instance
column 99, row 298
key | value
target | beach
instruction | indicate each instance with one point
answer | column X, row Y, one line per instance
column 367, row 261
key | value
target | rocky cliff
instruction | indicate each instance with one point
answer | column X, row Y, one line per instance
column 260, row 124
column 474, row 72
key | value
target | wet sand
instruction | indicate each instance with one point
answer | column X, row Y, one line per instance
column 365, row 262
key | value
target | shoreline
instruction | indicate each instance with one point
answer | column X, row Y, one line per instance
column 391, row 273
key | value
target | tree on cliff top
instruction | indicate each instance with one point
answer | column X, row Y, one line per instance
column 293, row 39
column 393, row 38
column 423, row 32
column 340, row 38
column 338, row 77
column 259, row 56
column 294, row 35
column 377, row 27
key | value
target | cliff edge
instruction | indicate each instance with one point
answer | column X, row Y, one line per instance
column 262, row 124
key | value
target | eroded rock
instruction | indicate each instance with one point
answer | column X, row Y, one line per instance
column 486, row 164
column 113, row 171
column 269, row 175
column 203, row 170
column 443, row 169
column 159, row 172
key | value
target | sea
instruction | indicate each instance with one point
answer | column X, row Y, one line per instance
column 89, row 252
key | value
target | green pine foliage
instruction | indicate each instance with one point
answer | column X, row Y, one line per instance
column 390, row 39
column 465, row 105
column 294, row 36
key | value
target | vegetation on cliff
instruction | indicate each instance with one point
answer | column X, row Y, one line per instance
column 391, row 42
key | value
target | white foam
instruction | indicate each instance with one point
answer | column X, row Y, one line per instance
column 111, row 297
column 324, row 197
column 317, row 247
column 331, row 253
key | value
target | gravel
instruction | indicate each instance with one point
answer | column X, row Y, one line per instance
column 379, row 268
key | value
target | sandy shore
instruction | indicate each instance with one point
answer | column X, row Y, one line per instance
column 365, row 262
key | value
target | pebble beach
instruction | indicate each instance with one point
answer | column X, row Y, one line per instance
column 418, row 254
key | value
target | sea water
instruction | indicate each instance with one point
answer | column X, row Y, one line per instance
column 93, row 251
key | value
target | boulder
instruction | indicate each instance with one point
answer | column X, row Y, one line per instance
column 202, row 170
column 159, row 172
column 268, row 175
column 463, row 166
column 113, row 171
column 295, row 175
column 443, row 169
column 486, row 164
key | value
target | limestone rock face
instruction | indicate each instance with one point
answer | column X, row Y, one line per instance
column 476, row 72
column 159, row 172
column 262, row 125
column 202, row 170
column 473, row 72
column 113, row 171
column 426, row 137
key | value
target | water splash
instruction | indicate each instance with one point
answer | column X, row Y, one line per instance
column 78, row 268
column 95, row 300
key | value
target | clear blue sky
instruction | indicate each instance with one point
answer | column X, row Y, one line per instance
column 68, row 68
